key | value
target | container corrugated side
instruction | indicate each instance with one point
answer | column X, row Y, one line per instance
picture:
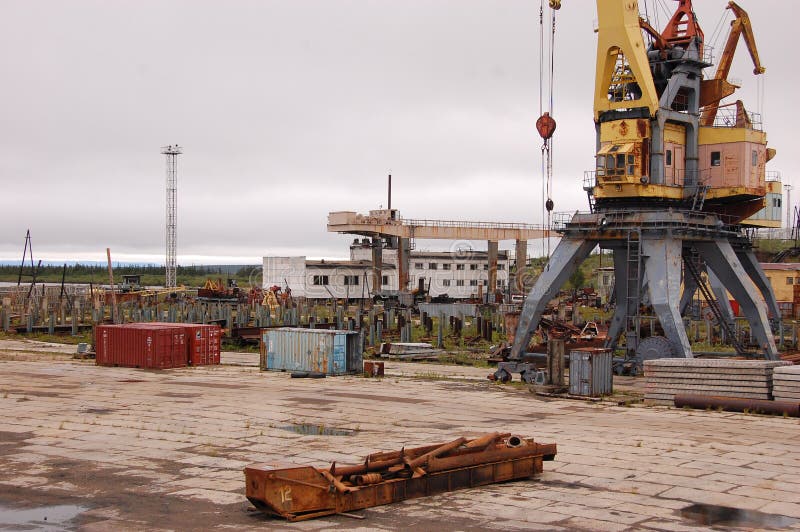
column 331, row 352
column 140, row 345
column 172, row 348
column 590, row 372
column 203, row 341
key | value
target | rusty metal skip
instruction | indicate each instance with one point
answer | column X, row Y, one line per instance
column 297, row 493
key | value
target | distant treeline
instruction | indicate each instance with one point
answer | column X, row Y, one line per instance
column 152, row 275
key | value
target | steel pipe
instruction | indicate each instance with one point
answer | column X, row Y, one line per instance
column 736, row 404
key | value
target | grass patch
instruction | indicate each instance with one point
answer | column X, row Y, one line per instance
column 83, row 337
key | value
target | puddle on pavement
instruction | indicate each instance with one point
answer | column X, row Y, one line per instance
column 43, row 518
column 99, row 411
column 309, row 429
column 713, row 515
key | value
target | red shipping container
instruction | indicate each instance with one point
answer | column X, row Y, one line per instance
column 178, row 350
column 140, row 345
column 203, row 342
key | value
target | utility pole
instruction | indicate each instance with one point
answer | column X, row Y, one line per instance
column 788, row 207
column 171, row 265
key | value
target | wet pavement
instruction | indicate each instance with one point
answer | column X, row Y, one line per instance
column 141, row 449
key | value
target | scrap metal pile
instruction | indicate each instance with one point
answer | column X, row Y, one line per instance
column 305, row 492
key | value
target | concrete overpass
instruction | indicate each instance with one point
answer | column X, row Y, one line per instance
column 383, row 223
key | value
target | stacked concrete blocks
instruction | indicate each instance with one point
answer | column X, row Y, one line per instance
column 666, row 377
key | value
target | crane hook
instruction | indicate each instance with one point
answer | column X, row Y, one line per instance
column 546, row 126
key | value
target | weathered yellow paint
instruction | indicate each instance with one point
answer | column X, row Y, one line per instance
column 621, row 148
column 675, row 133
column 730, row 192
column 628, row 190
column 624, row 131
column 720, row 135
column 775, row 224
column 775, row 187
column 618, row 30
column 779, row 279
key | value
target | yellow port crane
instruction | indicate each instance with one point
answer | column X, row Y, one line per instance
column 669, row 195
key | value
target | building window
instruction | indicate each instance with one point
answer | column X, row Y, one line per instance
column 445, row 282
column 790, row 280
column 473, row 282
column 418, row 265
column 501, row 266
column 485, row 266
column 320, row 280
column 385, row 280
column 460, row 266
column 432, row 266
column 485, row 282
column 473, row 266
column 459, row 282
column 606, row 279
column 669, row 158
column 445, row 266
column 350, row 280
column 715, row 158
column 754, row 157
column 499, row 283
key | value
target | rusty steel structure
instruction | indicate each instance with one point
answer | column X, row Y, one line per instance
column 297, row 493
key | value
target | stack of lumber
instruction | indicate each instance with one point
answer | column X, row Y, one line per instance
column 666, row 377
column 786, row 383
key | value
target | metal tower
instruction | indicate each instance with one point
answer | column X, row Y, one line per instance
column 172, row 152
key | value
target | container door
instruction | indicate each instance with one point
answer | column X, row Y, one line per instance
column 267, row 347
column 339, row 362
column 180, row 352
column 147, row 359
column 214, row 345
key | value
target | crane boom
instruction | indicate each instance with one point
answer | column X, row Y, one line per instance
column 740, row 27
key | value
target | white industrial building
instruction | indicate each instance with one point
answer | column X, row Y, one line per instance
column 461, row 274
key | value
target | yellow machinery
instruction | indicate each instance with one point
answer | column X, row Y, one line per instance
column 670, row 193
column 652, row 144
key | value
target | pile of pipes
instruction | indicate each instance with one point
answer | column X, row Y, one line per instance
column 304, row 492
column 786, row 383
column 748, row 379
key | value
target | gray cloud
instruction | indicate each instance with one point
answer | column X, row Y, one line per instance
column 290, row 109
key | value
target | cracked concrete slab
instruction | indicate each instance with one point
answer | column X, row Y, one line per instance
column 165, row 449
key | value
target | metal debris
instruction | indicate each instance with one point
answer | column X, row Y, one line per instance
column 297, row 493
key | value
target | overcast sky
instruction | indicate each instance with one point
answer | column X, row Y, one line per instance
column 290, row 109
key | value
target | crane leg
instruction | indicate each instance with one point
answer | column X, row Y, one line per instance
column 568, row 255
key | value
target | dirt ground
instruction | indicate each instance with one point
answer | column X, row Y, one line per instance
column 96, row 448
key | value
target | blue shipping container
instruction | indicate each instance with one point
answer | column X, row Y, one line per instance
column 326, row 351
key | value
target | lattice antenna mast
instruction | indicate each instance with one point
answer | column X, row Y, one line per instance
column 172, row 152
